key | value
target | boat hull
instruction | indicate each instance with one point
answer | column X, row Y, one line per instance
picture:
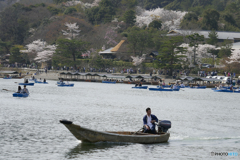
column 65, row 85
column 20, row 95
column 88, row 135
column 142, row 87
column 41, row 82
column 226, row 90
column 161, row 89
column 7, row 78
column 112, row 82
column 27, row 84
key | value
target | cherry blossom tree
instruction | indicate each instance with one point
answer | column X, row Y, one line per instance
column 85, row 5
column 110, row 36
column 138, row 60
column 72, row 30
column 39, row 51
column 235, row 57
column 171, row 19
column 203, row 51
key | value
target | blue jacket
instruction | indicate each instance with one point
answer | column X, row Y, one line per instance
column 153, row 118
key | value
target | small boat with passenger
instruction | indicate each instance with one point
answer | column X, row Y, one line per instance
column 65, row 85
column 163, row 89
column 36, row 81
column 140, row 87
column 20, row 94
column 227, row 90
column 89, row 135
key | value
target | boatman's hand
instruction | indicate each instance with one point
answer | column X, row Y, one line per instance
column 147, row 127
column 152, row 121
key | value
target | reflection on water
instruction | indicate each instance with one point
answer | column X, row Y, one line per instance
column 86, row 148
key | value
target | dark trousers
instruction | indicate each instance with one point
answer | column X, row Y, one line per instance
column 151, row 130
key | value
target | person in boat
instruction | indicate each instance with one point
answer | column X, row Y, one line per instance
column 26, row 81
column 198, row 85
column 149, row 122
column 231, row 87
column 25, row 90
column 33, row 77
column 136, row 84
column 163, row 83
column 44, row 80
column 182, row 85
column 140, row 84
column 174, row 86
column 19, row 89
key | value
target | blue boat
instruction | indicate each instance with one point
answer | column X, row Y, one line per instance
column 41, row 82
column 141, row 87
column 163, row 89
column 27, row 84
column 20, row 95
column 226, row 90
column 197, row 87
column 65, row 85
column 112, row 82
column 7, row 78
column 60, row 83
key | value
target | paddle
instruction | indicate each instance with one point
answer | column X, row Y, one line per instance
column 138, row 130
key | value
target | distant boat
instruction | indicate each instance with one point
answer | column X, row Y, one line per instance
column 7, row 78
column 89, row 135
column 197, row 87
column 65, row 85
column 163, row 89
column 226, row 90
column 113, row 82
column 140, row 87
column 41, row 82
column 20, row 95
column 27, row 84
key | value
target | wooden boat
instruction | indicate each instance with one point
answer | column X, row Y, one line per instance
column 163, row 89
column 65, row 85
column 140, row 87
column 20, row 95
column 27, row 84
column 113, row 82
column 89, row 135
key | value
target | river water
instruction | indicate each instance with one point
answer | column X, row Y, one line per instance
column 203, row 121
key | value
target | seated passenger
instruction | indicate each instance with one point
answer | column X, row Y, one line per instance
column 136, row 85
column 26, row 81
column 44, row 80
column 19, row 89
column 25, row 90
column 149, row 122
column 140, row 84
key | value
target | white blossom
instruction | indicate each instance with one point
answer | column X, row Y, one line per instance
column 85, row 5
column 72, row 30
column 138, row 60
column 202, row 51
column 43, row 51
column 170, row 19
column 235, row 57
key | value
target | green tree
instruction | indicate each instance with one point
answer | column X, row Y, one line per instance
column 194, row 41
column 225, row 50
column 129, row 17
column 171, row 55
column 139, row 40
column 15, row 55
column 212, row 37
column 60, row 1
column 129, row 3
column 102, row 13
column 70, row 49
column 156, row 24
column 210, row 19
column 5, row 47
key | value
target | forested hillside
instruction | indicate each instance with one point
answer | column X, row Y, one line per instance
column 106, row 22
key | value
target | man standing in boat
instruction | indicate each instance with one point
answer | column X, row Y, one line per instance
column 149, row 122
